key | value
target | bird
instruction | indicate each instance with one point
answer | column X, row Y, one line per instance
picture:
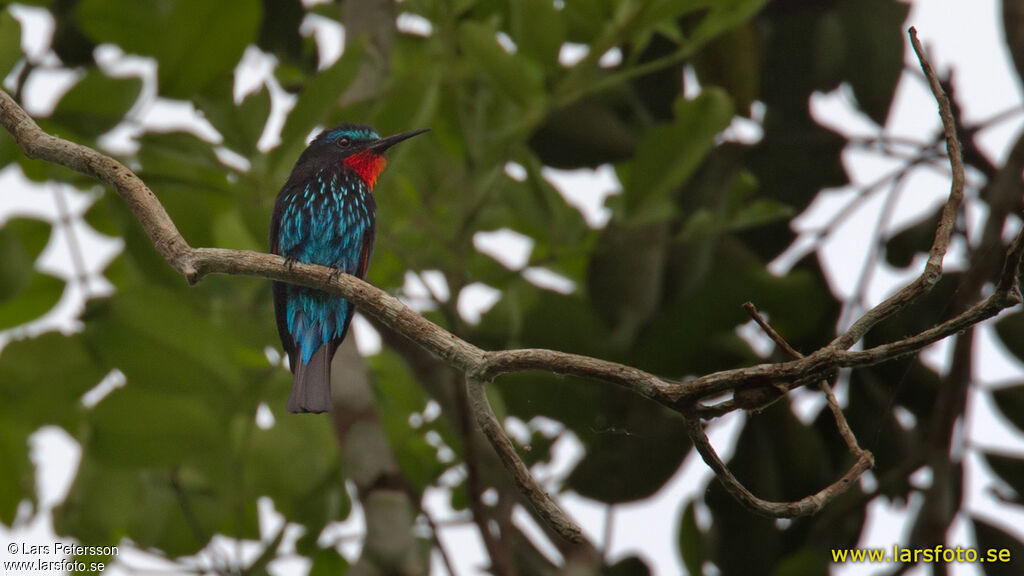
column 325, row 214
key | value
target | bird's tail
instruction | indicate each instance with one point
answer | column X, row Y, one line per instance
column 311, row 391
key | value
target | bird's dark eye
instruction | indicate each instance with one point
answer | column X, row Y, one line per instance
column 344, row 142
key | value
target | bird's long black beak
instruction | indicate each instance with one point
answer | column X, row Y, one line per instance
column 385, row 143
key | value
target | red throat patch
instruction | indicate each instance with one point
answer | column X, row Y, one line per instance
column 368, row 165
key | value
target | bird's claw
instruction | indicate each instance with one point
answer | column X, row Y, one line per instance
column 289, row 262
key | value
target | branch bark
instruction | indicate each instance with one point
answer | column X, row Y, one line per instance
column 481, row 366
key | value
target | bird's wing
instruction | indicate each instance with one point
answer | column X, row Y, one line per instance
column 280, row 313
column 275, row 222
column 366, row 250
column 280, row 289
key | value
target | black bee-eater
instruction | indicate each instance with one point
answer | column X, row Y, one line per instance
column 325, row 214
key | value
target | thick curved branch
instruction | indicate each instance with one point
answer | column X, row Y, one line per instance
column 144, row 205
column 525, row 481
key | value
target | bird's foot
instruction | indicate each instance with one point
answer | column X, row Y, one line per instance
column 335, row 274
column 289, row 262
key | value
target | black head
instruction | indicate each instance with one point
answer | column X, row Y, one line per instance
column 347, row 139
column 355, row 147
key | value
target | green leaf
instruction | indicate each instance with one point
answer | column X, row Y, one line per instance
column 705, row 223
column 96, row 103
column 241, row 124
column 529, row 317
column 175, row 511
column 1008, row 550
column 1010, row 328
column 691, row 541
column 33, row 234
column 40, row 296
column 279, row 31
column 17, row 483
column 229, row 231
column 42, row 379
column 624, row 283
column 651, row 13
column 902, row 247
column 628, row 433
column 141, row 427
column 1010, row 469
column 319, row 96
column 585, row 20
column 317, row 495
column 397, row 396
column 873, row 30
column 1010, row 402
column 327, row 562
column 70, row 44
column 732, row 61
column 520, row 79
column 194, row 41
column 668, row 155
column 695, row 329
column 589, row 132
column 10, row 43
column 629, row 566
column 21, row 241
column 724, row 15
column 180, row 161
column 535, row 208
column 807, row 561
column 162, row 344
column 538, row 29
column 99, row 505
column 192, row 183
column 794, row 161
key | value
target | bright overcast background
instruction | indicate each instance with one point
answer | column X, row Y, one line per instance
column 963, row 36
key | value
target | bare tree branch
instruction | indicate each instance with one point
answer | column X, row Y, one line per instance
column 498, row 545
column 813, row 503
column 944, row 231
column 804, row 507
column 527, row 484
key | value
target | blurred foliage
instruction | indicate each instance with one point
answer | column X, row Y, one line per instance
column 174, row 456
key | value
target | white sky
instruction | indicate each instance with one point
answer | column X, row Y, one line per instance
column 963, row 36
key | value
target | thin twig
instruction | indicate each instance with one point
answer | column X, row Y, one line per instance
column 67, row 222
column 770, row 331
column 833, row 403
column 943, row 232
column 804, row 507
column 186, row 509
column 436, row 535
column 1011, row 267
column 956, row 192
column 858, row 300
column 840, row 418
column 609, row 525
column 863, row 456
